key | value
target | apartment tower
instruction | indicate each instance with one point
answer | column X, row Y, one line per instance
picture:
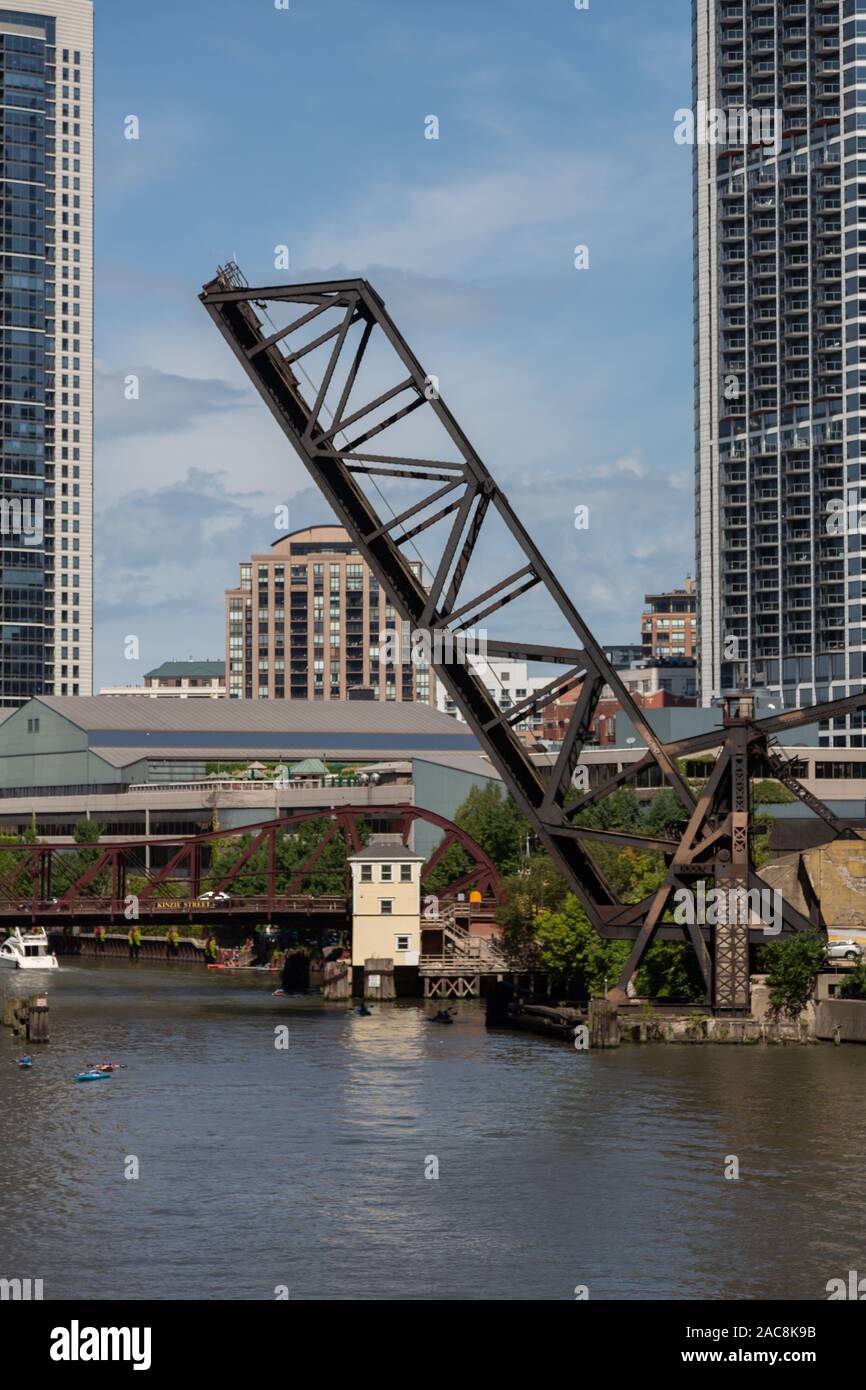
column 779, row 165
column 309, row 621
column 46, row 349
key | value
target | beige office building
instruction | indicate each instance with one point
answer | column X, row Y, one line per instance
column 46, row 350
column 307, row 622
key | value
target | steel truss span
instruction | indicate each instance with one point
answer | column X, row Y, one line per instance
column 49, row 883
column 337, row 374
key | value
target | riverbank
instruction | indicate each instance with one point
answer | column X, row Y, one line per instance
column 642, row 1026
column 600, row 1024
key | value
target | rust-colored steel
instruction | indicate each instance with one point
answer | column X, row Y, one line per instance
column 178, row 884
column 330, row 429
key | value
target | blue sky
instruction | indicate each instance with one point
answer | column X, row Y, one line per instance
column 262, row 127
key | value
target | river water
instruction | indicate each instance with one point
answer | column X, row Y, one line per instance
column 303, row 1168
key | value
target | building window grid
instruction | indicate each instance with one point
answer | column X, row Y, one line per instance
column 756, row 581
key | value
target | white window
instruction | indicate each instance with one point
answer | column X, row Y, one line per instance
column 405, row 873
column 387, row 873
column 386, row 907
column 366, row 873
column 401, row 943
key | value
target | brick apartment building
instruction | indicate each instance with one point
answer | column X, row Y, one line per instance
column 306, row 623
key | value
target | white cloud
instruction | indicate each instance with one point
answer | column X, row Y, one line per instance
column 631, row 466
column 495, row 220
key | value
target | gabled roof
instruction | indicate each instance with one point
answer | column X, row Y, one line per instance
column 385, row 846
column 309, row 767
column 140, row 713
column 137, row 727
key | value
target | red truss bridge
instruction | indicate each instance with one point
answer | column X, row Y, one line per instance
column 244, row 873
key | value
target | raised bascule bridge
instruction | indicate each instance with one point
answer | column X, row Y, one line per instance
column 372, row 429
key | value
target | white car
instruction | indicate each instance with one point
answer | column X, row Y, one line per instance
column 212, row 897
column 844, row 950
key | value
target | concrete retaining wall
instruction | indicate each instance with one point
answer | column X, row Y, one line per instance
column 841, row 1020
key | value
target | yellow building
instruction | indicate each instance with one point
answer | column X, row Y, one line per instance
column 386, row 902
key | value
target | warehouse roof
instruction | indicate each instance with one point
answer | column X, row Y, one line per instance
column 473, row 761
column 123, row 731
column 139, row 712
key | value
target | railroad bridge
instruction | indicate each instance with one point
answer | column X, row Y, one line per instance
column 244, row 875
column 341, row 380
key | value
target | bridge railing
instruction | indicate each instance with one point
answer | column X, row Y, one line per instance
column 247, row 785
column 166, row 907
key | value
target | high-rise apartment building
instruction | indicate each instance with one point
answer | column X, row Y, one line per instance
column 309, row 621
column 780, row 313
column 46, row 349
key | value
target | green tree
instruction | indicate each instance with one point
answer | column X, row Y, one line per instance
column 619, row 811
column 20, row 883
column 492, row 818
column 328, row 876
column 762, row 826
column 770, row 791
column 71, row 864
column 854, row 984
column 792, row 967
column 537, row 887
column 572, row 949
column 670, row 970
column 665, row 809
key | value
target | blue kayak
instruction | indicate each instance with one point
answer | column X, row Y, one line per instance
column 93, row 1076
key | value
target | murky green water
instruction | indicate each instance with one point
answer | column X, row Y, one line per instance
column 305, row 1167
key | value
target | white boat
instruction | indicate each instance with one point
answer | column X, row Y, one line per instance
column 27, row 950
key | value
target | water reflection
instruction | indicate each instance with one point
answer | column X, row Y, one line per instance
column 306, row 1166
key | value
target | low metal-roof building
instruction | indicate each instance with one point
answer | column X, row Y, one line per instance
column 146, row 767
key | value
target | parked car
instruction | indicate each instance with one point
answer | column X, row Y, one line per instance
column 844, row 950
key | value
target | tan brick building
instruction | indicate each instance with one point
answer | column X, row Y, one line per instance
column 669, row 623
column 306, row 623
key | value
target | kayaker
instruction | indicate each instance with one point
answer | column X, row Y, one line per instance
column 365, row 1012
column 25, row 1061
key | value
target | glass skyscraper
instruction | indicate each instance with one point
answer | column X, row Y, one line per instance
column 779, row 169
column 46, row 349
